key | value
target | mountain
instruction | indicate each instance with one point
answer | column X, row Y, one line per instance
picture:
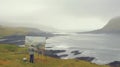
column 113, row 27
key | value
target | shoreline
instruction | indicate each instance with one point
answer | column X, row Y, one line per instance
column 53, row 53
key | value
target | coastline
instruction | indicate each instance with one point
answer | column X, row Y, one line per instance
column 54, row 54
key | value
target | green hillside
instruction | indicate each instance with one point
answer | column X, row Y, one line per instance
column 12, row 30
column 11, row 56
column 6, row 31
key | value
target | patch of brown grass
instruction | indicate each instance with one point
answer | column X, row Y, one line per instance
column 4, row 62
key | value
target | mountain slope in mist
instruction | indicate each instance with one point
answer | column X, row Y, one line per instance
column 113, row 27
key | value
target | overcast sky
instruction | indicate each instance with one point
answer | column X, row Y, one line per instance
column 80, row 15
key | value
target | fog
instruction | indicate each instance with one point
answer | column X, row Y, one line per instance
column 68, row 15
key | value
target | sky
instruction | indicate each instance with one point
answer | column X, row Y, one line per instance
column 67, row 15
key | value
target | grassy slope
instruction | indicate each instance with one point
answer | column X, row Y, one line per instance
column 12, row 30
column 9, row 57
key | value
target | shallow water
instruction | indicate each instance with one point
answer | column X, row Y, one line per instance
column 104, row 47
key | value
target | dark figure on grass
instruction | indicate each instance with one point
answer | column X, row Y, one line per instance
column 31, row 50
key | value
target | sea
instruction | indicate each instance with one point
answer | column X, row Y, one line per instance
column 105, row 48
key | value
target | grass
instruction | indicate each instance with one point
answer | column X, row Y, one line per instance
column 10, row 57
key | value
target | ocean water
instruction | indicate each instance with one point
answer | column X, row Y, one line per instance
column 104, row 47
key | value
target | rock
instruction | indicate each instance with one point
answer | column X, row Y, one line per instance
column 115, row 64
column 86, row 58
column 76, row 52
column 48, row 47
column 64, row 55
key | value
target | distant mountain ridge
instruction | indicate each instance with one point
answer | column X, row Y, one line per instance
column 113, row 27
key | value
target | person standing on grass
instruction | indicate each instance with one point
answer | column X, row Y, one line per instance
column 31, row 50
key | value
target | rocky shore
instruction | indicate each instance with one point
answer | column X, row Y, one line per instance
column 53, row 53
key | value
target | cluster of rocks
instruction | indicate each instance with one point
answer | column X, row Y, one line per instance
column 53, row 53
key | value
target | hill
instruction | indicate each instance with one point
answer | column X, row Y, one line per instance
column 6, row 31
column 12, row 30
column 113, row 27
column 16, row 35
